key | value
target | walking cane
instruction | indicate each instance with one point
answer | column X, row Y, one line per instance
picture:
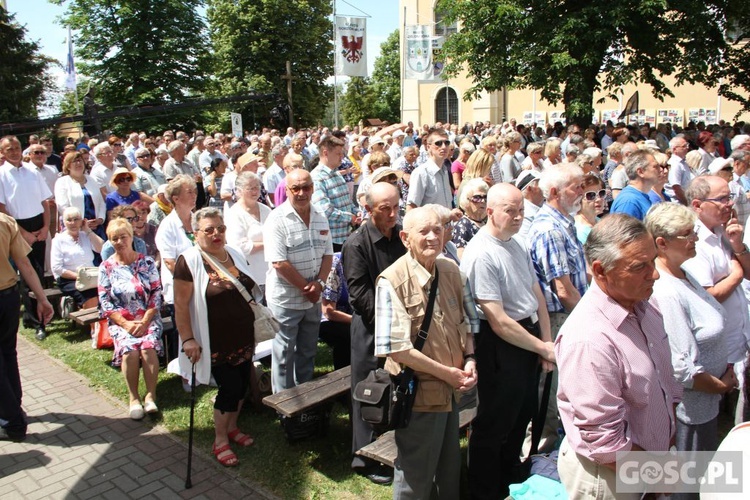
column 188, row 481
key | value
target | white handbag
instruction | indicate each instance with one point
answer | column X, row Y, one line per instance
column 88, row 278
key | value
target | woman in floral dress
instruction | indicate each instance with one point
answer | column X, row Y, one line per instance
column 130, row 298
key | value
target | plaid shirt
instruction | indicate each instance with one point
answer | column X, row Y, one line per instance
column 556, row 252
column 331, row 197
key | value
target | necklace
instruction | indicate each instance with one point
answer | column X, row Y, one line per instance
column 225, row 258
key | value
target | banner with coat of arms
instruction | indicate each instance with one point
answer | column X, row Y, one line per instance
column 351, row 51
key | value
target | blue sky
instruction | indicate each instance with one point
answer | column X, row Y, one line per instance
column 39, row 17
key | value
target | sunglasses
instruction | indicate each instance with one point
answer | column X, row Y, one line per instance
column 305, row 187
column 121, row 180
column 132, row 219
column 118, row 144
column 211, row 230
column 591, row 195
column 440, row 144
column 143, row 157
column 39, row 152
column 478, row 198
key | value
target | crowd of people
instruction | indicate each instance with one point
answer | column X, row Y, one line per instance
column 552, row 250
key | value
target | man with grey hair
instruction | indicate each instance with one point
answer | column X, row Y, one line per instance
column 722, row 259
column 195, row 153
column 210, row 153
column 680, row 174
column 622, row 406
column 135, row 143
column 373, row 247
column 147, row 178
column 643, row 172
column 740, row 165
column 104, row 167
column 179, row 164
column 275, row 173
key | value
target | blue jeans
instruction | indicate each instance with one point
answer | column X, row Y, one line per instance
column 294, row 347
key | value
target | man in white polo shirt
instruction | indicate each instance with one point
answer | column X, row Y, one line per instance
column 299, row 249
column 23, row 196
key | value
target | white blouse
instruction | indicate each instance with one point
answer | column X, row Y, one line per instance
column 69, row 254
column 243, row 231
column 68, row 193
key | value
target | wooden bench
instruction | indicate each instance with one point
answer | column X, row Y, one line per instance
column 384, row 450
column 295, row 400
column 85, row 317
column 51, row 294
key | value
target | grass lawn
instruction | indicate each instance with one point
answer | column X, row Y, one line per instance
column 315, row 468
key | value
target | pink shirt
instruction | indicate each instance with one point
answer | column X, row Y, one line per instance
column 616, row 386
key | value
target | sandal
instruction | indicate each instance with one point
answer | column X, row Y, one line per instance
column 241, row 438
column 227, row 459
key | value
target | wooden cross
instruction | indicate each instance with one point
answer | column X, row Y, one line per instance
column 288, row 77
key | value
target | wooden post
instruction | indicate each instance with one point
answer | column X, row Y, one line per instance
column 288, row 77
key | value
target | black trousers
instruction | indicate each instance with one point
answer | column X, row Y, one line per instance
column 338, row 336
column 36, row 257
column 10, row 378
column 363, row 362
column 508, row 380
column 233, row 381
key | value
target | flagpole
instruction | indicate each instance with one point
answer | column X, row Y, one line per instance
column 335, row 80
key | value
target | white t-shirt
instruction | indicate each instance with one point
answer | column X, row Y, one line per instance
column 500, row 271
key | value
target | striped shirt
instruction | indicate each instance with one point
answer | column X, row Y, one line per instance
column 331, row 197
column 287, row 238
column 556, row 252
column 392, row 321
column 616, row 386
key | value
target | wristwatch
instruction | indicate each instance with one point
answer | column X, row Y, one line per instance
column 743, row 252
column 321, row 283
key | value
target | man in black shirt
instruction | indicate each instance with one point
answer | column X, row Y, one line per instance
column 366, row 253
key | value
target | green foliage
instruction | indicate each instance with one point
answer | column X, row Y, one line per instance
column 386, row 80
column 140, row 52
column 24, row 72
column 572, row 49
column 735, row 77
column 253, row 39
column 359, row 101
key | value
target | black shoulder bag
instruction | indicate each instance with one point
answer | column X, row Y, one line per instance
column 386, row 400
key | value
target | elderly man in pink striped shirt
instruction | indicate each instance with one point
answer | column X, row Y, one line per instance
column 616, row 391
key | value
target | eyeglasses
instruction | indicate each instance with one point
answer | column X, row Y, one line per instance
column 591, row 195
column 142, row 157
column 664, row 166
column 211, row 230
column 692, row 236
column 117, row 144
column 304, row 187
column 132, row 219
column 440, row 144
column 478, row 198
column 723, row 200
column 121, row 180
column 39, row 152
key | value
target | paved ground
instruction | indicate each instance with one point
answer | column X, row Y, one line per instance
column 80, row 445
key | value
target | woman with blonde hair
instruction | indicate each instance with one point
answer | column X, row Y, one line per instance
column 479, row 166
column 130, row 298
column 552, row 153
column 694, row 159
column 509, row 167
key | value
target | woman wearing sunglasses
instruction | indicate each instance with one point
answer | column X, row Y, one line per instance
column 592, row 206
column 215, row 323
column 472, row 200
column 124, row 194
column 657, row 193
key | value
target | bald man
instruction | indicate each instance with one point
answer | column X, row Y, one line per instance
column 515, row 329
column 299, row 251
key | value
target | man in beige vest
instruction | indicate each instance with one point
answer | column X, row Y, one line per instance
column 428, row 449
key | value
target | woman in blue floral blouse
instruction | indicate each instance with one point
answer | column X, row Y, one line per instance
column 130, row 298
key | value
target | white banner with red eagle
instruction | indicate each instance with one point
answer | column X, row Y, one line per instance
column 351, row 51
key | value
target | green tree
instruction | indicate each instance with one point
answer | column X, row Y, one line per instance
column 253, row 39
column 24, row 72
column 140, row 52
column 569, row 50
column 358, row 102
column 735, row 77
column 386, row 80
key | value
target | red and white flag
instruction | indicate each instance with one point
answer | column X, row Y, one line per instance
column 351, row 47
